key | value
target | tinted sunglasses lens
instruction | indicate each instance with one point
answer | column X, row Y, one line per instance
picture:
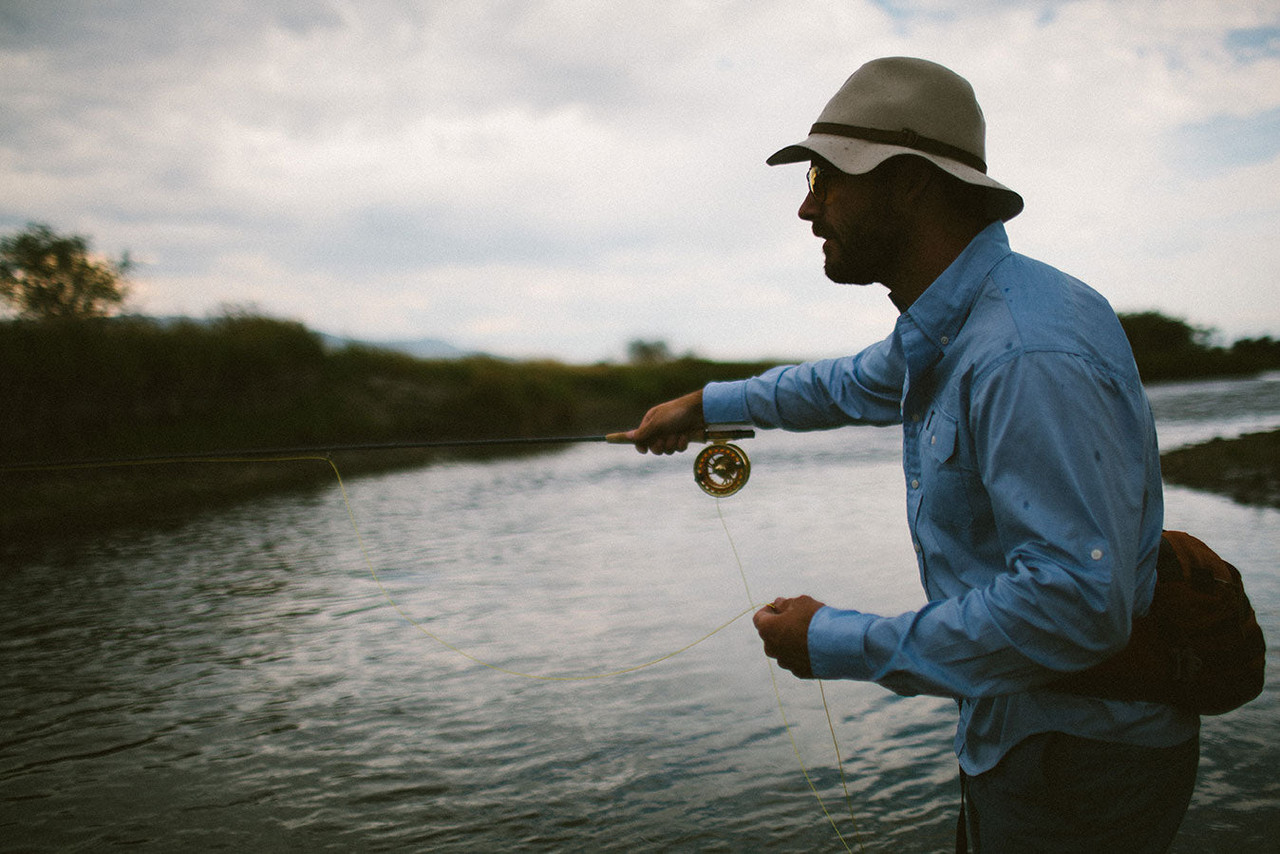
column 814, row 173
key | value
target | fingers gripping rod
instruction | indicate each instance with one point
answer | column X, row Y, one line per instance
column 721, row 468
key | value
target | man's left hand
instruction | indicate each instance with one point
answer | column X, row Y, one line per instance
column 783, row 625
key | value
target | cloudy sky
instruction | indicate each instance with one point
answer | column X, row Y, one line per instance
column 559, row 177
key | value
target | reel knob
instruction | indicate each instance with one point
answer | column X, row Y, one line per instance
column 721, row 469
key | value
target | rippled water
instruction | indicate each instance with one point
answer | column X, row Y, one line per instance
column 245, row 681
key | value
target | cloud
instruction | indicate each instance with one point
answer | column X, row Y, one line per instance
column 554, row 177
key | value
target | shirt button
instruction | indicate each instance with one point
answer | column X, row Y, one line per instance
column 916, row 417
column 945, row 340
column 916, row 546
column 1096, row 554
column 915, row 484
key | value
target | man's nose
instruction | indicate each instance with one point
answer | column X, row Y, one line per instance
column 809, row 208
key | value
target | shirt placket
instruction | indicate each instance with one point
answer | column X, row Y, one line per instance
column 914, row 409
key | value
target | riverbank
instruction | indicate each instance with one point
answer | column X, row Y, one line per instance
column 1246, row 468
column 68, row 506
column 129, row 388
column 132, row 387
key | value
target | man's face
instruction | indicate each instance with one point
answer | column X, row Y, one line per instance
column 862, row 237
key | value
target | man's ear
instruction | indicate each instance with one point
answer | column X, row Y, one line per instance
column 909, row 180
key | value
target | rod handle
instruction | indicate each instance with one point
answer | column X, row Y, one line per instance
column 714, row 433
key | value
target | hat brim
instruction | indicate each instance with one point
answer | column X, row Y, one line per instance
column 856, row 157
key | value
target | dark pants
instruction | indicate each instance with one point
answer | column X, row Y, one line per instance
column 1061, row 793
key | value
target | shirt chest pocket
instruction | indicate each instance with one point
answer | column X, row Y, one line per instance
column 953, row 493
column 939, row 438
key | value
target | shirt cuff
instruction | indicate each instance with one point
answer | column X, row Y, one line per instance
column 837, row 644
column 725, row 403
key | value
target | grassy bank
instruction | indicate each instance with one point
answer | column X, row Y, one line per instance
column 135, row 387
column 1246, row 469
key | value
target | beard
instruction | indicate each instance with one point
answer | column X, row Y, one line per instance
column 863, row 246
column 842, row 270
column 863, row 258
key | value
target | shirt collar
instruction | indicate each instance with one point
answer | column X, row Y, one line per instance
column 935, row 319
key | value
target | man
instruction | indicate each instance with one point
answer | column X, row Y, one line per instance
column 1031, row 466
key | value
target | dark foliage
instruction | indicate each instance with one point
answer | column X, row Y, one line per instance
column 128, row 387
column 50, row 276
column 1166, row 348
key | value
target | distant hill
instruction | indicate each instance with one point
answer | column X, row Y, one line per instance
column 419, row 348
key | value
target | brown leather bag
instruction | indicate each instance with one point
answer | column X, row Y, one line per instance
column 1199, row 647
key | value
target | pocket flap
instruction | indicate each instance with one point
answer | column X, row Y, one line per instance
column 940, row 436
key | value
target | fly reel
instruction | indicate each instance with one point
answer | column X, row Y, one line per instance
column 721, row 469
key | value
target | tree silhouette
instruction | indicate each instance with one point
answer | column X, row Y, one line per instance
column 48, row 276
column 1153, row 332
column 640, row 352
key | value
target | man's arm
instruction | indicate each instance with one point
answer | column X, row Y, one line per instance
column 1063, row 457
column 861, row 389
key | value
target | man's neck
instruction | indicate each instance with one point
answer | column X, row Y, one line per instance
column 933, row 251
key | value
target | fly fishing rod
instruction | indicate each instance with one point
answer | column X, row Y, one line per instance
column 721, row 469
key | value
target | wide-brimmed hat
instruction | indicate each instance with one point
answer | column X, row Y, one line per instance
column 900, row 105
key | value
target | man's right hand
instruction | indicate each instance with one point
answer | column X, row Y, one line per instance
column 670, row 427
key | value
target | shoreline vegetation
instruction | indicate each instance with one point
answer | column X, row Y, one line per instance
column 1246, row 468
column 130, row 387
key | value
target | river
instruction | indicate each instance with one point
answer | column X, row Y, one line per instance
column 273, row 677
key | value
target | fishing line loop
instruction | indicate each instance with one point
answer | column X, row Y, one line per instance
column 786, row 724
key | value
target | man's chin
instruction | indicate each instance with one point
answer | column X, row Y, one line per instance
column 836, row 271
column 843, row 276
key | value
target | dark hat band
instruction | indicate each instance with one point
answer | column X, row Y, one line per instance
column 903, row 138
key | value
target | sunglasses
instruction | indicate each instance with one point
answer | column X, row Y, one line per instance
column 817, row 187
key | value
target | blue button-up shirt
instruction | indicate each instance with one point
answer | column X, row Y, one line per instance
column 1033, row 498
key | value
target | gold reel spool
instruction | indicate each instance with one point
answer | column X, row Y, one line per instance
column 721, row 469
